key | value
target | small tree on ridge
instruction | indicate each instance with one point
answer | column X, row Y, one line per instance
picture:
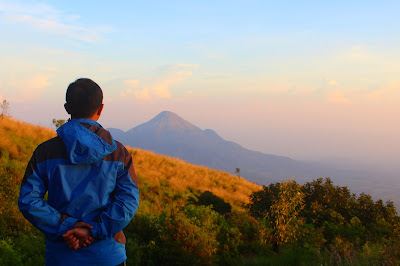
column 5, row 108
column 58, row 122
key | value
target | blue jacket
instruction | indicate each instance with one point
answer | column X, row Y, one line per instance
column 89, row 177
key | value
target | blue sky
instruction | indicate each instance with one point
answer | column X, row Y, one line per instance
column 309, row 79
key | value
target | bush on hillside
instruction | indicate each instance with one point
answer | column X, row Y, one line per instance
column 208, row 198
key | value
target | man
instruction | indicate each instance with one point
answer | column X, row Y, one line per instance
column 91, row 184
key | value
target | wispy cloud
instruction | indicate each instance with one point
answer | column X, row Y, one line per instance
column 360, row 53
column 27, row 88
column 37, row 9
column 332, row 91
column 338, row 97
column 332, row 82
column 45, row 18
column 390, row 90
column 131, row 82
column 174, row 75
column 217, row 75
column 216, row 56
column 142, row 94
column 326, row 86
column 159, row 87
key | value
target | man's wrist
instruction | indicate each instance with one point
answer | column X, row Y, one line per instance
column 63, row 217
column 96, row 230
column 76, row 225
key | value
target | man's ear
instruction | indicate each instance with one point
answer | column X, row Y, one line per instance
column 66, row 108
column 100, row 109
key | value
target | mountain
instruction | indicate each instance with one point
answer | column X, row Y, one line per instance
column 169, row 134
column 116, row 133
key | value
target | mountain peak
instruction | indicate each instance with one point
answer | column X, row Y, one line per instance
column 167, row 115
column 170, row 120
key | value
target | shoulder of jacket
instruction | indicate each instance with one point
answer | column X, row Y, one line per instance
column 122, row 147
column 50, row 149
column 120, row 154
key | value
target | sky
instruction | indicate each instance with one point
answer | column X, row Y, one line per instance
column 311, row 80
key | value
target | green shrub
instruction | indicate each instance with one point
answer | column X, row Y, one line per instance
column 8, row 254
column 208, row 198
column 22, row 250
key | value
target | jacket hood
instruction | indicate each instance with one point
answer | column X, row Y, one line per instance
column 86, row 141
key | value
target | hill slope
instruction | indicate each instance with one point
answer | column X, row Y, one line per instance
column 166, row 185
column 156, row 173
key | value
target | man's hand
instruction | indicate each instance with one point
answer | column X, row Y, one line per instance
column 82, row 225
column 79, row 237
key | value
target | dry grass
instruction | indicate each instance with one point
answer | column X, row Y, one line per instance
column 17, row 142
column 19, row 139
column 181, row 176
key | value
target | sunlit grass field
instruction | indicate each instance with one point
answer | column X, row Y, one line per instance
column 156, row 173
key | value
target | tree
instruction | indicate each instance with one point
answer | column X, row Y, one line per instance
column 262, row 200
column 326, row 202
column 218, row 204
column 58, row 122
column 285, row 212
column 5, row 108
column 237, row 171
column 280, row 204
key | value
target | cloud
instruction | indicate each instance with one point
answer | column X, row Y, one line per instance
column 125, row 93
column 359, row 53
column 327, row 86
column 48, row 19
column 216, row 57
column 38, row 82
column 332, row 82
column 290, row 91
column 185, row 66
column 159, row 87
column 216, row 75
column 29, row 88
column 142, row 94
column 37, row 9
column 330, row 91
column 390, row 90
column 338, row 97
column 131, row 82
column 177, row 74
column 162, row 91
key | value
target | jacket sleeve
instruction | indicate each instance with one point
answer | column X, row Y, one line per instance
column 124, row 206
column 33, row 206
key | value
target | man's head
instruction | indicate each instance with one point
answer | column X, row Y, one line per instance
column 84, row 98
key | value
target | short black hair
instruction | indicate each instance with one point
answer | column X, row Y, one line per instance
column 83, row 98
